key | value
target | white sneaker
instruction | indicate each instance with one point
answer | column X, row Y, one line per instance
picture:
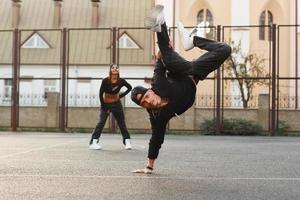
column 95, row 145
column 185, row 36
column 155, row 18
column 128, row 144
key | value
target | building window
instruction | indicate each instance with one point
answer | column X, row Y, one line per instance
column 126, row 42
column 35, row 41
column 205, row 21
column 265, row 24
column 7, row 88
column 200, row 17
column 49, row 86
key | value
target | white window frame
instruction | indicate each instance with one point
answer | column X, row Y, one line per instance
column 35, row 42
column 203, row 26
column 49, row 85
column 125, row 42
column 7, row 89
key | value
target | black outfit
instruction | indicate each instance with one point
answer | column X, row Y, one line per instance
column 173, row 80
column 116, row 108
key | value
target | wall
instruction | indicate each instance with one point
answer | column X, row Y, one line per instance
column 138, row 119
column 5, row 116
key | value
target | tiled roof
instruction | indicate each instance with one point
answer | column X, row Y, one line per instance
column 86, row 46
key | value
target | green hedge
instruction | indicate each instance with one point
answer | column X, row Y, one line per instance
column 282, row 128
column 232, row 127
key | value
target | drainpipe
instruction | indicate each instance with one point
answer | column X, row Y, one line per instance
column 15, row 80
column 218, row 95
column 16, row 7
column 95, row 13
column 57, row 13
column 296, row 52
column 273, row 89
column 174, row 18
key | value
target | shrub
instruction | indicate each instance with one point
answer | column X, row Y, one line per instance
column 282, row 127
column 208, row 127
column 232, row 127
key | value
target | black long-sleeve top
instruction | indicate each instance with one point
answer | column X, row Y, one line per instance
column 109, row 88
column 180, row 91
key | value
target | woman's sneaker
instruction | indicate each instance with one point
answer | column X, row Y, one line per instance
column 94, row 145
column 128, row 144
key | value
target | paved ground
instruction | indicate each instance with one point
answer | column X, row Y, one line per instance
column 60, row 166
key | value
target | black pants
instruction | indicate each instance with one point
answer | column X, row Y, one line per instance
column 117, row 110
column 217, row 53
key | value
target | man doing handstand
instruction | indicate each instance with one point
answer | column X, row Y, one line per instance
column 173, row 86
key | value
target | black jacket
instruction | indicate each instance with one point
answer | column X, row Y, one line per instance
column 180, row 92
column 178, row 89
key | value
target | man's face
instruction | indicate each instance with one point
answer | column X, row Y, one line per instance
column 150, row 100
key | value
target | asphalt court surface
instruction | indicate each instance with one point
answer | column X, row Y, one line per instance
column 60, row 166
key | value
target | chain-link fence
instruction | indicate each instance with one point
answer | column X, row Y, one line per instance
column 73, row 62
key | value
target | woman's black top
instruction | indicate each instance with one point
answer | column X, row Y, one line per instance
column 109, row 88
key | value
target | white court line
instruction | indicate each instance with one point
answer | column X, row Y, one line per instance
column 145, row 176
column 36, row 149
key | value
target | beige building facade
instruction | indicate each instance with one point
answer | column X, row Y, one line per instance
column 246, row 22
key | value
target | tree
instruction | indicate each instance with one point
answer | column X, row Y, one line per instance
column 245, row 68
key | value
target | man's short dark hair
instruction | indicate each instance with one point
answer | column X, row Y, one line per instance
column 135, row 92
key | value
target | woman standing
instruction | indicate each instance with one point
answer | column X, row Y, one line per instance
column 110, row 102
